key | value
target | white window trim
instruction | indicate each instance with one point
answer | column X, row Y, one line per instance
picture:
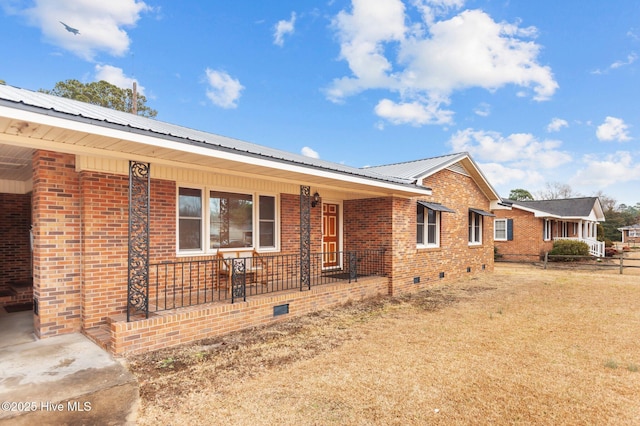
column 205, row 222
column 425, row 230
column 495, row 229
column 548, row 229
column 478, row 217
column 634, row 233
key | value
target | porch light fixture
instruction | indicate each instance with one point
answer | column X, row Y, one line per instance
column 316, row 199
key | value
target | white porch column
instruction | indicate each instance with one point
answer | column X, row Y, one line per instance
column 580, row 225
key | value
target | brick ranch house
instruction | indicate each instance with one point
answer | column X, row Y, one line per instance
column 525, row 230
column 143, row 234
column 630, row 234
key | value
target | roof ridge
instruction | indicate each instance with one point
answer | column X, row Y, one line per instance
column 418, row 160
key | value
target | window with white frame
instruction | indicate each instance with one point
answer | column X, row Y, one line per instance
column 634, row 233
column 546, row 231
column 500, row 229
column 475, row 228
column 229, row 219
column 428, row 227
column 503, row 229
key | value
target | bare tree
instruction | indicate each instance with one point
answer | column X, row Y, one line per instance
column 555, row 191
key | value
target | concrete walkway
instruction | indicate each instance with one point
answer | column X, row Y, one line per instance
column 61, row 380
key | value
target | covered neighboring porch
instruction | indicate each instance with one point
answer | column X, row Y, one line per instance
column 580, row 230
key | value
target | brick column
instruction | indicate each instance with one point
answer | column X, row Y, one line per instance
column 56, row 254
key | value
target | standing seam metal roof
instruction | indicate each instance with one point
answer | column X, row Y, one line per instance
column 76, row 110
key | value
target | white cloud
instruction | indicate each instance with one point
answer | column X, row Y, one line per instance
column 116, row 77
column 602, row 171
column 414, row 113
column 613, row 129
column 425, row 62
column 557, row 124
column 431, row 9
column 224, row 91
column 500, row 175
column 483, row 110
column 308, row 152
column 521, row 150
column 283, row 28
column 631, row 58
column 100, row 24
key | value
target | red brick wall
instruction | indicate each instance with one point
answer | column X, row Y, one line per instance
column 290, row 225
column 527, row 243
column 205, row 321
column 15, row 251
column 454, row 256
column 57, row 243
column 105, row 236
column 105, row 229
column 368, row 225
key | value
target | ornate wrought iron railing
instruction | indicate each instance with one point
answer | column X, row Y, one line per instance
column 181, row 284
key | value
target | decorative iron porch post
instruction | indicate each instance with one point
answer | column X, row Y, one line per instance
column 138, row 264
column 305, row 238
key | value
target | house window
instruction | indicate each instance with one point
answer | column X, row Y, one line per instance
column 546, row 231
column 564, row 229
column 475, row 228
column 267, row 222
column 428, row 222
column 503, row 229
column 190, row 219
column 634, row 233
column 231, row 220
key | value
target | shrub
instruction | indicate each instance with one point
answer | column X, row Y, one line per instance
column 610, row 252
column 570, row 248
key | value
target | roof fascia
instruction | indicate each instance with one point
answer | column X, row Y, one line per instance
column 116, row 131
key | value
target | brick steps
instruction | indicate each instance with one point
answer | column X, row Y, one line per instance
column 100, row 335
column 16, row 293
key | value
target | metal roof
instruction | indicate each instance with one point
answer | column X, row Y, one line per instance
column 42, row 103
column 417, row 169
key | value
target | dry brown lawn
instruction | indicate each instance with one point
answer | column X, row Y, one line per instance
column 519, row 346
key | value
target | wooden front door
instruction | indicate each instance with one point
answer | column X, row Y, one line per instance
column 330, row 235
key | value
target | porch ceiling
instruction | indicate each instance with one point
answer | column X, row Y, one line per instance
column 18, row 138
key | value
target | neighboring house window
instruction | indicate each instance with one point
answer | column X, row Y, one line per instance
column 564, row 229
column 231, row 220
column 475, row 228
column 634, row 233
column 546, row 231
column 503, row 229
column 428, row 232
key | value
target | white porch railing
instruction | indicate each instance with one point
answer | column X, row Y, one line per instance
column 596, row 248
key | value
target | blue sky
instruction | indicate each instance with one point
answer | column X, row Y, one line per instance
column 539, row 92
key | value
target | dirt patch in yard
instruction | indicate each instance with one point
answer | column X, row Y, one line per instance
column 519, row 346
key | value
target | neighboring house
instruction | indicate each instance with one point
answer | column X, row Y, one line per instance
column 143, row 234
column 630, row 234
column 525, row 230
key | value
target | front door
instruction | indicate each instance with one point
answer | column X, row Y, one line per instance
column 330, row 235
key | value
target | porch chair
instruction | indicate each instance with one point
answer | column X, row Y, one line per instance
column 257, row 269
